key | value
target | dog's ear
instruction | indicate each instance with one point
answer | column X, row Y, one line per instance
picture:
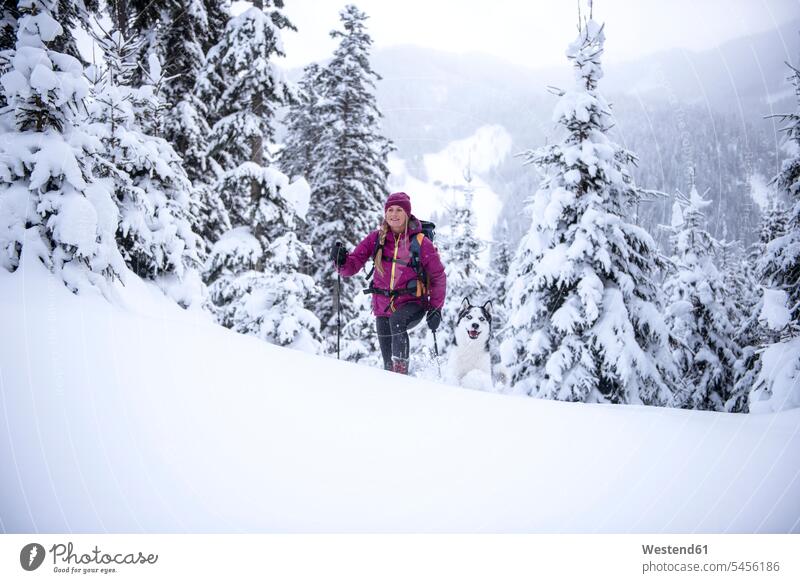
column 465, row 305
column 487, row 307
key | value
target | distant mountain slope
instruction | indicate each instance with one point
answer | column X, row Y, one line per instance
column 432, row 96
column 678, row 110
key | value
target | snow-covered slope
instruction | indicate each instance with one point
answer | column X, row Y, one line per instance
column 445, row 172
column 137, row 416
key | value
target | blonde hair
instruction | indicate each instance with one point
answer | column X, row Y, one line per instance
column 382, row 232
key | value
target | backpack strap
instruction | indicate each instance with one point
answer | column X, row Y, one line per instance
column 374, row 253
column 414, row 248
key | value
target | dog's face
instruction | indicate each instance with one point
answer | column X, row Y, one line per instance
column 474, row 322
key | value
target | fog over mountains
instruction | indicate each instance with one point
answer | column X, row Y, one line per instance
column 677, row 110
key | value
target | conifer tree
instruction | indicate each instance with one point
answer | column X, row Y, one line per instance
column 303, row 126
column 780, row 269
column 185, row 126
column 150, row 185
column 751, row 333
column 349, row 174
column 179, row 33
column 698, row 316
column 253, row 268
column 497, row 282
column 50, row 201
column 583, row 320
column 780, row 265
column 461, row 251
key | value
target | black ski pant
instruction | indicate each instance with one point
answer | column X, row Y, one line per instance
column 393, row 331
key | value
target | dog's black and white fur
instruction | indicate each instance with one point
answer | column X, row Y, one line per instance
column 470, row 362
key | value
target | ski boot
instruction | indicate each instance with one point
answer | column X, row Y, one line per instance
column 400, row 365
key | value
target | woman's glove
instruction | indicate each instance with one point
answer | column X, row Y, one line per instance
column 434, row 318
column 338, row 254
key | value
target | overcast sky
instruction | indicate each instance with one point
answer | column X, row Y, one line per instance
column 534, row 32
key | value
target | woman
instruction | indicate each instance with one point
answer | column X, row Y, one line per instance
column 401, row 296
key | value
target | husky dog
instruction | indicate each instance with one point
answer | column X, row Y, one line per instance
column 470, row 362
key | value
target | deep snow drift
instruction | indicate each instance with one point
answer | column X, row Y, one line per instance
column 133, row 415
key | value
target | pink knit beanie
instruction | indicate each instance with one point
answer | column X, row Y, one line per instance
column 399, row 199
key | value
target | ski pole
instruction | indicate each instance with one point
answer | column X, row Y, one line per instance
column 338, row 313
column 436, row 353
column 338, row 308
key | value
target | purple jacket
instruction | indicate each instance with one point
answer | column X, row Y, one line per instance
column 402, row 274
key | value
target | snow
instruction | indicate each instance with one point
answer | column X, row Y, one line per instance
column 137, row 416
column 760, row 191
column 774, row 311
column 48, row 27
column 15, row 82
column 76, row 223
column 43, row 78
column 444, row 180
column 54, row 158
column 298, row 193
column 780, row 364
column 239, row 242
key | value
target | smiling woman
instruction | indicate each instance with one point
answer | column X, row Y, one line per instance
column 409, row 280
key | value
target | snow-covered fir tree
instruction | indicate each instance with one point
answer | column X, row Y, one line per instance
column 773, row 225
column 497, row 282
column 51, row 205
column 178, row 33
column 751, row 333
column 460, row 251
column 698, row 315
column 781, row 263
column 303, row 126
column 252, row 269
column 270, row 304
column 185, row 126
column 583, row 319
column 195, row 28
column 742, row 295
column 151, row 188
column 349, row 174
column 776, row 387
